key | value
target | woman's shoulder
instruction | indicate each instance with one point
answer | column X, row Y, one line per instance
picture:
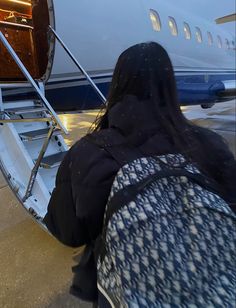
column 99, row 139
column 215, row 147
column 85, row 149
column 208, row 136
column 94, row 140
column 88, row 154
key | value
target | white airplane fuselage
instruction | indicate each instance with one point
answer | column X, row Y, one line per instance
column 97, row 32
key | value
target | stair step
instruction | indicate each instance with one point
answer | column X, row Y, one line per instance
column 5, row 85
column 44, row 119
column 38, row 134
column 21, row 103
column 25, row 110
column 52, row 161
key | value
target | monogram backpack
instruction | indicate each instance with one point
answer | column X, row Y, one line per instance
column 169, row 239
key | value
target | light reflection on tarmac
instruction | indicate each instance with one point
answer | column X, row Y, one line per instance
column 34, row 268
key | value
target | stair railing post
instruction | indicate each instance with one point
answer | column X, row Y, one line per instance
column 1, row 102
column 37, row 164
column 78, row 65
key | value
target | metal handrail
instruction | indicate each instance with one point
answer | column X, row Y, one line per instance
column 31, row 80
column 78, row 65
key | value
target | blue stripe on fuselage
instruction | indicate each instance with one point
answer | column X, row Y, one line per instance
column 193, row 88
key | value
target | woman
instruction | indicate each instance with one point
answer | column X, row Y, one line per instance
column 142, row 106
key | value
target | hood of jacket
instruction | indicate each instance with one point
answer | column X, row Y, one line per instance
column 132, row 115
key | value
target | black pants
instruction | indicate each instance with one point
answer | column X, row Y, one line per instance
column 102, row 302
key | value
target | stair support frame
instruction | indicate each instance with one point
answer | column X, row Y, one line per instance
column 37, row 164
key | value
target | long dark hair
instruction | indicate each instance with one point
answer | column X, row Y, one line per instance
column 145, row 71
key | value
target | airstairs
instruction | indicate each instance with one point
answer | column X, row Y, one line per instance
column 31, row 140
column 31, row 149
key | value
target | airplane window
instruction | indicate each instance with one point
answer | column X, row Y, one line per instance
column 210, row 38
column 187, row 31
column 227, row 43
column 155, row 19
column 198, row 35
column 173, row 26
column 219, row 41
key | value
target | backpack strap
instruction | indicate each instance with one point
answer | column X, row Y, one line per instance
column 128, row 193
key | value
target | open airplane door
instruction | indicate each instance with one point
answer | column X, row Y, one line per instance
column 31, row 142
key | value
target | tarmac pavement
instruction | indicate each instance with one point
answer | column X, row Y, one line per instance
column 35, row 269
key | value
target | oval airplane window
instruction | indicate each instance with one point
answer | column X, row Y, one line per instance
column 219, row 41
column 198, row 35
column 210, row 38
column 187, row 31
column 155, row 19
column 173, row 26
column 227, row 43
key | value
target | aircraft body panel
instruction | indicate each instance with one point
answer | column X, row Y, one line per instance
column 96, row 33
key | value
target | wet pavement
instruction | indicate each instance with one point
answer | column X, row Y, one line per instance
column 35, row 269
column 221, row 118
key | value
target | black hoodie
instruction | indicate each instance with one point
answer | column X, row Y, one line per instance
column 84, row 179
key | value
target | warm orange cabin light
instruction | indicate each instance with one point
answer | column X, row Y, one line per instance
column 21, row 2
